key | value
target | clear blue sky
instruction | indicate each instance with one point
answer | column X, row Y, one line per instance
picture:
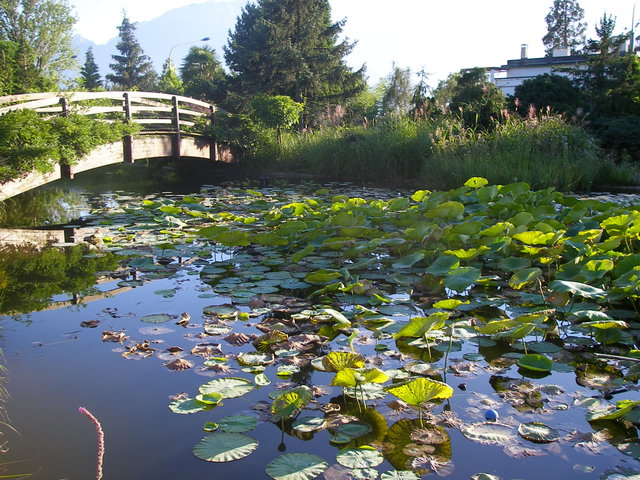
column 439, row 36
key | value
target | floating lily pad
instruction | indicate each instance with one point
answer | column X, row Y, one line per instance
column 255, row 358
column 484, row 476
column 362, row 457
column 353, row 429
column 535, row 362
column 225, row 447
column 228, row 387
column 488, row 432
column 309, row 424
column 209, row 398
column 187, row 406
column 296, row 466
column 213, row 329
column 157, row 318
column 538, row 432
column 399, row 475
column 237, row 423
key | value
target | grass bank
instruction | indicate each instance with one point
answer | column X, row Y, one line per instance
column 441, row 153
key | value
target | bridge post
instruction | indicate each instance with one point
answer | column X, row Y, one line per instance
column 65, row 168
column 127, row 140
column 175, row 121
column 213, row 144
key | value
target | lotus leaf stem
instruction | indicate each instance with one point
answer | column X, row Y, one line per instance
column 100, row 432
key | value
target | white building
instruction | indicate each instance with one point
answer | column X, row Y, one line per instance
column 515, row 72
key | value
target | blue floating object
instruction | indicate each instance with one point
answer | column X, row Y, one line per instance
column 491, row 415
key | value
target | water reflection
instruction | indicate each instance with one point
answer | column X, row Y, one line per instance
column 30, row 277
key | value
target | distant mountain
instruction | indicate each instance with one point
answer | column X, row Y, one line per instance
column 185, row 25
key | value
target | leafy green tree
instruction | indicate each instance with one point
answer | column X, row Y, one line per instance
column 90, row 74
column 565, row 26
column 132, row 69
column 398, row 92
column 169, row 81
column 278, row 111
column 420, row 100
column 42, row 31
column 471, row 97
column 7, row 66
column 549, row 90
column 292, row 48
column 203, row 76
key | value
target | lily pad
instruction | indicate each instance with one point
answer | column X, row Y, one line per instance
column 538, row 432
column 296, row 466
column 187, row 406
column 237, row 423
column 309, row 424
column 157, row 318
column 362, row 457
column 536, row 362
column 225, row 447
column 491, row 433
column 228, row 387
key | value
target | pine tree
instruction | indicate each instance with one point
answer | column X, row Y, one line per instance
column 291, row 47
column 132, row 69
column 565, row 27
column 89, row 74
column 169, row 81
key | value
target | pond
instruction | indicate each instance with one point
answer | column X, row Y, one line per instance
column 296, row 331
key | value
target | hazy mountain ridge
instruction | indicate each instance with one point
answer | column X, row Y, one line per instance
column 176, row 27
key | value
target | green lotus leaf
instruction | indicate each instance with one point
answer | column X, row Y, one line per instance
column 300, row 254
column 491, row 433
column 420, row 390
column 443, row 265
column 367, row 391
column 309, row 424
column 409, row 260
column 622, row 408
column 228, row 387
column 497, row 230
column 340, row 319
column 290, row 402
column 517, row 332
column 462, row 278
column 538, row 432
column 157, row 318
column 214, row 329
column 536, row 362
column 266, row 342
column 484, row 476
column 353, row 429
column 233, row 238
column 580, row 289
column 534, row 237
column 399, row 475
column 416, row 327
column 296, row 466
column 261, row 380
column 476, row 182
column 188, row 405
column 225, row 447
column 348, row 377
column 450, row 303
column 221, row 311
column 268, row 239
column 322, row 276
column 361, row 457
column 603, row 324
column 209, row 398
column 467, row 253
column 237, row 423
column 336, row 361
column 449, row 210
column 287, row 370
column 524, row 277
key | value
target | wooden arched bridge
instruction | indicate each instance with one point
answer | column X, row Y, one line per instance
column 162, row 117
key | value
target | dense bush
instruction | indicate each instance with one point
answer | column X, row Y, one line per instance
column 29, row 142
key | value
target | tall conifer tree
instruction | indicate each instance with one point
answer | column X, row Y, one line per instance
column 132, row 69
column 565, row 27
column 90, row 74
column 292, row 48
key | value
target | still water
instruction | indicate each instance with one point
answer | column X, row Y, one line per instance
column 56, row 362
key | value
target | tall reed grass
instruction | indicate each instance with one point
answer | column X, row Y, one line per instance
column 544, row 151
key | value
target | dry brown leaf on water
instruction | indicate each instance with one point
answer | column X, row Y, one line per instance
column 179, row 364
column 220, row 368
column 442, row 469
column 140, row 348
column 239, row 338
column 206, row 349
column 397, row 405
column 179, row 396
column 184, row 320
column 304, row 341
column 90, row 323
column 113, row 336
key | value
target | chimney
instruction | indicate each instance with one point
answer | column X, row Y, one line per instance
column 524, row 51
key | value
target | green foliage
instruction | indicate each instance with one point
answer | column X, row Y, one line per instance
column 565, row 27
column 203, row 76
column 30, row 143
column 41, row 32
column 132, row 69
column 292, row 48
column 90, row 74
column 555, row 91
column 169, row 82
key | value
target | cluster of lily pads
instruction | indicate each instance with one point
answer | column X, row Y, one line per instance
column 341, row 285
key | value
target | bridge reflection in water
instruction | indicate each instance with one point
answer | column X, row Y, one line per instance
column 163, row 118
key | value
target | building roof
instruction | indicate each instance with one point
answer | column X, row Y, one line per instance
column 544, row 61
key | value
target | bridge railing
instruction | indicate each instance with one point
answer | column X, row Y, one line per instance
column 153, row 111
